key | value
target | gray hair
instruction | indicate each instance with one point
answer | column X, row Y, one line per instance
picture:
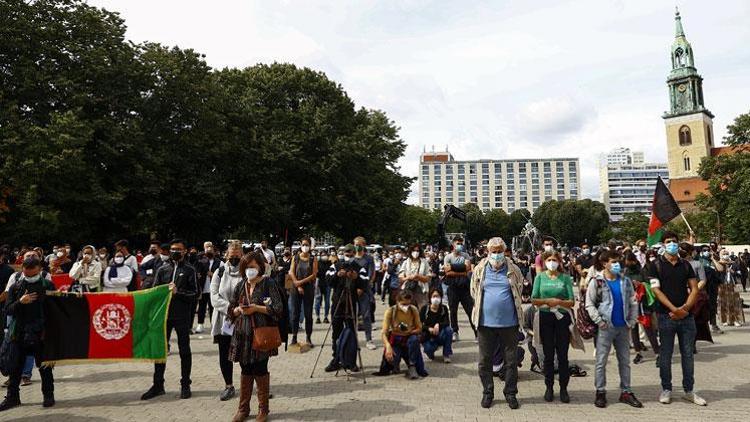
column 496, row 241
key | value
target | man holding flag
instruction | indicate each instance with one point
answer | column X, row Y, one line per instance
column 181, row 278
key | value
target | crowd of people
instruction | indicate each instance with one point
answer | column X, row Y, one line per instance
column 549, row 299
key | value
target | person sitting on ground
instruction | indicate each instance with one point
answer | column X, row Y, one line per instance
column 401, row 327
column 436, row 327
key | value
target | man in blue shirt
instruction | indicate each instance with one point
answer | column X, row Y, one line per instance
column 610, row 301
column 496, row 288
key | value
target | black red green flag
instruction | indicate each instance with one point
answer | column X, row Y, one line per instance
column 106, row 326
column 663, row 210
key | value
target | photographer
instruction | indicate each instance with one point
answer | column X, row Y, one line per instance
column 348, row 281
column 400, row 334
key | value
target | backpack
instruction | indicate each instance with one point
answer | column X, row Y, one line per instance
column 584, row 324
column 346, row 348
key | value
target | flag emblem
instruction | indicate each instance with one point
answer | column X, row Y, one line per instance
column 111, row 321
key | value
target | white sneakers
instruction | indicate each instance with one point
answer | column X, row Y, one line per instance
column 694, row 398
column 446, row 359
column 737, row 324
column 455, row 337
column 370, row 345
column 199, row 329
column 666, row 397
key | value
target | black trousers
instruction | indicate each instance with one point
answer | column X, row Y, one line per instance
column 225, row 364
column 555, row 337
column 297, row 301
column 257, row 368
column 48, row 381
column 489, row 340
column 203, row 304
column 182, row 327
column 456, row 296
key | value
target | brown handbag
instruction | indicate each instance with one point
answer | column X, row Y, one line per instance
column 265, row 339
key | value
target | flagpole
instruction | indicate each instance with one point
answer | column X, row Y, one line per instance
column 690, row 229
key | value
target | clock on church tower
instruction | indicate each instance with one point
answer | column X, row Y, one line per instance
column 689, row 124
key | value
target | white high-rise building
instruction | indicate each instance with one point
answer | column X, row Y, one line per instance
column 506, row 184
column 627, row 183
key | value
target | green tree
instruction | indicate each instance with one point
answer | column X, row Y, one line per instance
column 518, row 220
column 728, row 179
column 632, row 227
column 497, row 222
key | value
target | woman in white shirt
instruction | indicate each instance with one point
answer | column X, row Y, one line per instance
column 118, row 276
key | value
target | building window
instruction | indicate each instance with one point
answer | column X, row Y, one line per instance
column 708, row 134
column 686, row 162
column 685, row 138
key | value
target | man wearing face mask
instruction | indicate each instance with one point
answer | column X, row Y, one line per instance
column 270, row 257
column 149, row 269
column 496, row 289
column 457, row 267
column 153, row 252
column 640, row 251
column 25, row 306
column 61, row 263
column 367, row 300
column 584, row 262
column 181, row 278
column 713, row 281
column 349, row 282
column 611, row 304
column 675, row 286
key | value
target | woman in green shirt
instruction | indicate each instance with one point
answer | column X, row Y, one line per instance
column 553, row 296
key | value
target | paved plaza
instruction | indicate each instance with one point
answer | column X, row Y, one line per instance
column 110, row 392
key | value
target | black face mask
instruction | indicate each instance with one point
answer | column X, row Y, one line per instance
column 210, row 255
column 175, row 255
column 234, row 261
column 152, row 251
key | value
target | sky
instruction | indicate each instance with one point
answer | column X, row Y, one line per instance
column 486, row 79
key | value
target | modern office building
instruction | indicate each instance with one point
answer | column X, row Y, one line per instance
column 506, row 184
column 627, row 184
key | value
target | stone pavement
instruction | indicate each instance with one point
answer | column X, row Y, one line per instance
column 110, row 392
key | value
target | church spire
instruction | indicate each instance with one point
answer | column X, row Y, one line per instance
column 679, row 32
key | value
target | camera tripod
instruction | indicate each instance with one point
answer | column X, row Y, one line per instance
column 345, row 292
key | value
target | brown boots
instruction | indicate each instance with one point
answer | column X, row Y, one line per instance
column 263, row 387
column 246, row 392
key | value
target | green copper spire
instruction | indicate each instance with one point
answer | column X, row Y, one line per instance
column 679, row 32
column 685, row 84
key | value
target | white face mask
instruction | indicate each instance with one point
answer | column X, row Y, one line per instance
column 164, row 257
column 652, row 259
column 548, row 248
column 59, row 254
column 87, row 256
column 119, row 260
column 102, row 256
column 415, row 254
column 435, row 301
column 404, row 308
column 251, row 273
column 551, row 265
column 398, row 256
column 305, row 249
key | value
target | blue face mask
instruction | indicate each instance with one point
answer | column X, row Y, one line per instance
column 616, row 268
column 459, row 248
column 672, row 248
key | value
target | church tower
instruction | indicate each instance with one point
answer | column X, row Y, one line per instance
column 688, row 122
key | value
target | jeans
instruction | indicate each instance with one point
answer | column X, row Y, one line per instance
column 444, row 339
column 685, row 331
column 456, row 296
column 489, row 340
column 324, row 297
column 28, row 366
column 300, row 302
column 365, row 311
column 555, row 336
column 411, row 350
column 225, row 364
column 48, row 381
column 182, row 327
column 620, row 337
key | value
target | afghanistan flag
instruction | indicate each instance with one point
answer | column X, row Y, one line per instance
column 106, row 326
column 663, row 209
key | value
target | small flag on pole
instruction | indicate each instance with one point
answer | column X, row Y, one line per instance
column 663, row 210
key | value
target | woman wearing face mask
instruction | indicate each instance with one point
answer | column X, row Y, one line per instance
column 87, row 271
column 553, row 296
column 414, row 276
column 118, row 276
column 61, row 263
column 303, row 271
column 323, row 290
column 256, row 303
column 223, row 284
column 436, row 327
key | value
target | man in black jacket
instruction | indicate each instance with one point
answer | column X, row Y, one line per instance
column 207, row 265
column 181, row 278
